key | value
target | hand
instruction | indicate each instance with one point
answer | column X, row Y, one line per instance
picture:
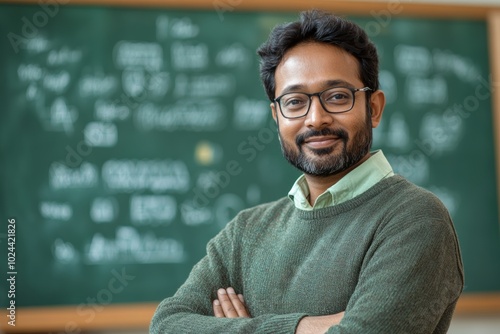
column 319, row 324
column 229, row 305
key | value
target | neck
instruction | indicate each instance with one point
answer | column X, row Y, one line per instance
column 319, row 184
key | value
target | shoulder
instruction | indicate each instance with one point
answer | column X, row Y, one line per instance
column 270, row 210
column 416, row 216
column 407, row 198
column 404, row 208
column 414, row 213
column 262, row 218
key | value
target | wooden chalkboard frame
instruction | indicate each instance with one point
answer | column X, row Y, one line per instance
column 138, row 316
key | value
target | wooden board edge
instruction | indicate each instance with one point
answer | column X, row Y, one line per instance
column 494, row 49
column 478, row 304
column 379, row 10
column 73, row 319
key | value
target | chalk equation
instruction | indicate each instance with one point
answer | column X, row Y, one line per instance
column 185, row 115
column 153, row 175
column 130, row 246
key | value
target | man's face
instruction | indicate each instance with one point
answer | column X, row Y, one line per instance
column 322, row 143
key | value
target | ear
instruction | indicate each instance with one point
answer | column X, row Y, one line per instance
column 377, row 104
column 274, row 112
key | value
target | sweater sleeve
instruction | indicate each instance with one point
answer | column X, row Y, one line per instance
column 410, row 279
column 190, row 309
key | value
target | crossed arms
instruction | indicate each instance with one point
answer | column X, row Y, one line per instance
column 230, row 305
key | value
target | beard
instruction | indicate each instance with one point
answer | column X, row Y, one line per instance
column 325, row 162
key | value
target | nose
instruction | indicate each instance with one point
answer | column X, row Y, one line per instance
column 317, row 117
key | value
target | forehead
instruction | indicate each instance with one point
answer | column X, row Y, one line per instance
column 311, row 66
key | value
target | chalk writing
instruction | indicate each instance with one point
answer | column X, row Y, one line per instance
column 134, row 54
column 56, row 82
column 63, row 56
column 250, row 114
column 189, row 56
column 440, row 135
column 108, row 111
column 100, row 134
column 193, row 215
column 29, row 72
column 204, row 85
column 448, row 62
column 129, row 246
column 37, row 44
column 212, row 85
column 184, row 28
column 63, row 177
column 234, row 55
column 411, row 59
column 97, row 84
column 154, row 175
column 208, row 115
column 31, row 92
column 64, row 252
column 56, row 210
column 152, row 209
column 134, row 81
column 426, row 90
column 206, row 179
column 159, row 84
column 62, row 116
column 104, row 209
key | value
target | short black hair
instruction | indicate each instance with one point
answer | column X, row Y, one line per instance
column 321, row 27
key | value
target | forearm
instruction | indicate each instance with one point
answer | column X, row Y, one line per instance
column 170, row 317
column 319, row 324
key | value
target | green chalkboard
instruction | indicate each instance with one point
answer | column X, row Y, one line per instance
column 129, row 138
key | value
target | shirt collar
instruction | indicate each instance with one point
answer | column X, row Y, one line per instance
column 357, row 181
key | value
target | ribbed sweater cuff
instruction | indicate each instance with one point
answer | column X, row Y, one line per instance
column 281, row 324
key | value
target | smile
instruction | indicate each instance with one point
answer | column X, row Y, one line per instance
column 321, row 142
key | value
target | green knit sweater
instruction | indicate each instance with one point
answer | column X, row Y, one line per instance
column 388, row 257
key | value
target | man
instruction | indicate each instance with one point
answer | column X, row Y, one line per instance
column 353, row 248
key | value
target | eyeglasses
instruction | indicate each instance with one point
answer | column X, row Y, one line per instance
column 334, row 100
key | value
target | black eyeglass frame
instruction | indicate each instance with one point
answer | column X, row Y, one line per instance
column 318, row 94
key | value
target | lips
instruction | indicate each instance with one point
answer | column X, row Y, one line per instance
column 321, row 141
column 321, row 138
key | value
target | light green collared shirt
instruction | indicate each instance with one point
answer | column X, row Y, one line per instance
column 356, row 182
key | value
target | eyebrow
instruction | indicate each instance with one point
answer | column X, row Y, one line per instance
column 328, row 83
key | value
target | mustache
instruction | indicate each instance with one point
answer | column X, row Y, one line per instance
column 341, row 133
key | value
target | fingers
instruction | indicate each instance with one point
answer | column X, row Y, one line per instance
column 218, row 312
column 229, row 304
column 238, row 303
